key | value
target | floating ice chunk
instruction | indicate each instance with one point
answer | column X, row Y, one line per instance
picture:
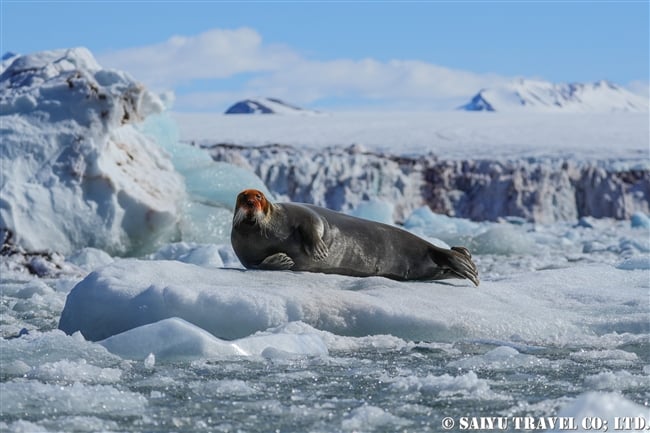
column 54, row 350
column 466, row 385
column 501, row 358
column 640, row 220
column 206, row 255
column 14, row 368
column 440, row 230
column 171, row 340
column 74, row 371
column 279, row 344
column 514, row 220
column 54, row 400
column 617, row 381
column 593, row 246
column 587, row 222
column 90, row 259
column 611, row 357
column 175, row 339
column 503, row 239
column 222, row 388
column 634, row 263
column 605, row 406
column 375, row 210
column 515, row 343
column 438, row 225
column 344, row 343
column 22, row 426
column 563, row 305
column 369, row 418
column 150, row 361
column 35, row 287
column 631, row 247
column 81, row 424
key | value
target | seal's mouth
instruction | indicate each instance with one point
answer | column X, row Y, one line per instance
column 248, row 215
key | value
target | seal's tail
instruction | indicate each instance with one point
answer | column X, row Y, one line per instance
column 457, row 262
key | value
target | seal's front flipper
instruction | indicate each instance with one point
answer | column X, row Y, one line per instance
column 456, row 262
column 312, row 238
column 318, row 251
column 277, row 262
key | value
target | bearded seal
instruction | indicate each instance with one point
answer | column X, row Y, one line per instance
column 303, row 237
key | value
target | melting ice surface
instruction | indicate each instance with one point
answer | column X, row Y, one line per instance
column 184, row 339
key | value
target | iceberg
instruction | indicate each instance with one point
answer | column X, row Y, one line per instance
column 76, row 172
column 211, row 186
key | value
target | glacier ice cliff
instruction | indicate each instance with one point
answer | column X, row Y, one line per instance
column 536, row 189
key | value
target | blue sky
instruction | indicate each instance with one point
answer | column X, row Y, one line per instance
column 342, row 54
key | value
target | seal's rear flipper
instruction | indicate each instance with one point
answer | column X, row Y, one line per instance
column 276, row 262
column 456, row 262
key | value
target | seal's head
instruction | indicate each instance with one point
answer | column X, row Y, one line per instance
column 251, row 207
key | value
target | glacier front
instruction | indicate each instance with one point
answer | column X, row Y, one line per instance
column 535, row 189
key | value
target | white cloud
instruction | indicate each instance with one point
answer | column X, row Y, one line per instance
column 281, row 72
column 371, row 79
column 208, row 101
column 213, row 54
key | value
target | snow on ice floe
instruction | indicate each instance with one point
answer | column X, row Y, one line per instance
column 76, row 171
column 562, row 306
column 207, row 255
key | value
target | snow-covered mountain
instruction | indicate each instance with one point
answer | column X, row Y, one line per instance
column 7, row 59
column 266, row 106
column 533, row 95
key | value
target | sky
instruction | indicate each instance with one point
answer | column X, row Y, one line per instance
column 341, row 55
